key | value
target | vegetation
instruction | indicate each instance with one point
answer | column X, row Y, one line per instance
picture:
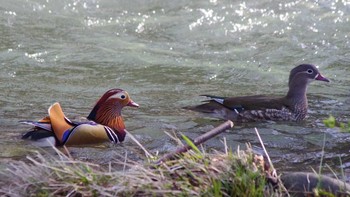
column 191, row 173
column 331, row 122
column 194, row 173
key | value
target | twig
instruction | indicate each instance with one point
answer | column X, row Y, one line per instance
column 322, row 155
column 149, row 155
column 199, row 140
column 267, row 155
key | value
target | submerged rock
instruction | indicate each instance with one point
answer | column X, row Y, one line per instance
column 303, row 183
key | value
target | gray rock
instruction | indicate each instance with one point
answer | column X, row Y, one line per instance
column 302, row 183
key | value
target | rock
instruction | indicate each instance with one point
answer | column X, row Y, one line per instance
column 303, row 183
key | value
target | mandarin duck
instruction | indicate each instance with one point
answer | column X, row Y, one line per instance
column 292, row 107
column 105, row 123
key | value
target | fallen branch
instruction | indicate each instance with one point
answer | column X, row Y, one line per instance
column 199, row 140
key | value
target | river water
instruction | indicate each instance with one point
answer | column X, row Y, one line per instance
column 165, row 54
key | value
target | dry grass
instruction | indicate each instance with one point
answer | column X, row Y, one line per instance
column 194, row 173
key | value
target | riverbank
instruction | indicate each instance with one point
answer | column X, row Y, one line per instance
column 193, row 172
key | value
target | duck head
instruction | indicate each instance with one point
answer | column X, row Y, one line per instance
column 107, row 110
column 301, row 76
column 306, row 71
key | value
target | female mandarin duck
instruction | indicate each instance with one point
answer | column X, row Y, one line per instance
column 292, row 107
column 106, row 123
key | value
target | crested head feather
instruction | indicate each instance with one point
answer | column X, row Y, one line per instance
column 107, row 110
column 103, row 99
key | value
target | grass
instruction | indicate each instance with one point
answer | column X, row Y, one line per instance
column 195, row 173
column 331, row 122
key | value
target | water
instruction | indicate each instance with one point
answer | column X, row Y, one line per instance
column 165, row 54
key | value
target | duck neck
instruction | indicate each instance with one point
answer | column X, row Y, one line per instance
column 296, row 97
column 116, row 123
column 297, row 89
column 108, row 114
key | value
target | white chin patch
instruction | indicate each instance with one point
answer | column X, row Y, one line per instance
column 316, row 76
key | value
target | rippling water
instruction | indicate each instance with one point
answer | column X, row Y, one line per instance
column 165, row 54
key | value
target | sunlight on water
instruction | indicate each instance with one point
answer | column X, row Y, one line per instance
column 36, row 56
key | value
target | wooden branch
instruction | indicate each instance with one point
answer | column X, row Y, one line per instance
column 199, row 140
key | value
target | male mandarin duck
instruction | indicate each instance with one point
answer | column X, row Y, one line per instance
column 105, row 123
column 292, row 107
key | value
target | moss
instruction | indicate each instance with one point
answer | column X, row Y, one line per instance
column 191, row 174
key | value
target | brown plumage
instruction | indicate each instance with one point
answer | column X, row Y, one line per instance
column 292, row 107
column 106, row 123
column 108, row 108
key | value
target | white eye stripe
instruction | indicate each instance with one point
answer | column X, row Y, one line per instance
column 120, row 95
column 308, row 71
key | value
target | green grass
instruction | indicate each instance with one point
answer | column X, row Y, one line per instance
column 194, row 173
column 331, row 122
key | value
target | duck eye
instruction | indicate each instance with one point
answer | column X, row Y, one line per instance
column 310, row 71
column 122, row 96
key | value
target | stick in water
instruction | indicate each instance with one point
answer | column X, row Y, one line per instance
column 149, row 155
column 267, row 155
column 199, row 140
